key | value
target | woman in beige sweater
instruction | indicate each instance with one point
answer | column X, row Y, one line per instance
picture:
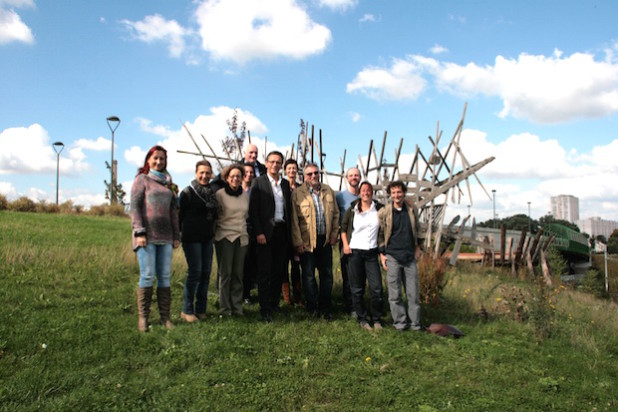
column 231, row 240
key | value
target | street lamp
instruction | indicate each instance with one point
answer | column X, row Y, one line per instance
column 58, row 146
column 493, row 191
column 529, row 220
column 468, row 210
column 113, row 122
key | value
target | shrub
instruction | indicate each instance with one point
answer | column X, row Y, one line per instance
column 116, row 209
column 23, row 204
column 593, row 283
column 557, row 264
column 97, row 210
column 44, row 207
column 431, row 278
column 4, row 203
column 108, row 210
column 66, row 207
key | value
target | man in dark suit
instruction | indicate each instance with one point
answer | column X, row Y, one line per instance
column 251, row 154
column 270, row 216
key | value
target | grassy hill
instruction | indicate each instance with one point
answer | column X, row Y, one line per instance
column 68, row 340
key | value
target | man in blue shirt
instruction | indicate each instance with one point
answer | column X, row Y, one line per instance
column 344, row 200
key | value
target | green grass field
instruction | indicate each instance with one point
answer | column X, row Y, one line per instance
column 68, row 341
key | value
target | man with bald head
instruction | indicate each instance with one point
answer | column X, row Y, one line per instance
column 251, row 154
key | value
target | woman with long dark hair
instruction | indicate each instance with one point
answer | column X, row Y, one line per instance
column 198, row 211
column 154, row 219
column 359, row 235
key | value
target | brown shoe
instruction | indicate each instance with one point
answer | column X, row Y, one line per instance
column 144, row 299
column 188, row 317
column 285, row 288
column 201, row 316
column 164, row 300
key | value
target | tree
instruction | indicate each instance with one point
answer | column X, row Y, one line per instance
column 515, row 222
column 119, row 193
column 231, row 144
column 544, row 220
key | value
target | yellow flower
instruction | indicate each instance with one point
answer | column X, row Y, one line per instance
column 498, row 299
column 367, row 359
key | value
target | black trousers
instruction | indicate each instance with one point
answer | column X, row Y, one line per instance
column 272, row 262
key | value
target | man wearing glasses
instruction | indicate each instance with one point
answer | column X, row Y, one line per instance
column 315, row 223
column 270, row 216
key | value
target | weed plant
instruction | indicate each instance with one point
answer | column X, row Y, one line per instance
column 69, row 341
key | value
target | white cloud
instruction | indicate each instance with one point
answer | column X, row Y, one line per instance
column 403, row 81
column 243, row 30
column 8, row 190
column 339, row 5
column 12, row 28
column 146, row 125
column 17, row 3
column 156, row 28
column 99, row 145
column 29, row 150
column 438, row 49
column 212, row 126
column 135, row 155
column 543, row 89
column 530, row 169
column 355, row 117
column 367, row 18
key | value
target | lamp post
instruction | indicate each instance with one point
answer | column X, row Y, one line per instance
column 529, row 220
column 468, row 210
column 493, row 191
column 58, row 146
column 112, row 122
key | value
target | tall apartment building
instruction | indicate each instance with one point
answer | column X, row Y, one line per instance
column 595, row 226
column 565, row 207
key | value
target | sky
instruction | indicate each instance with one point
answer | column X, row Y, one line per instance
column 540, row 80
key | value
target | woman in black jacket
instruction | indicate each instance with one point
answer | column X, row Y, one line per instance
column 198, row 211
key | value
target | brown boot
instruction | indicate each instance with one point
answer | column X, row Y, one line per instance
column 297, row 294
column 164, row 300
column 144, row 299
column 285, row 288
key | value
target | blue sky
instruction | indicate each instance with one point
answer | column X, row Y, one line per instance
column 540, row 80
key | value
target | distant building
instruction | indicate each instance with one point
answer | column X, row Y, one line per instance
column 596, row 226
column 565, row 207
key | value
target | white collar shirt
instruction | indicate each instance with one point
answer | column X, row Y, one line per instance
column 366, row 227
column 278, row 196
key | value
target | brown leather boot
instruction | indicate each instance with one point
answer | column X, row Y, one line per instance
column 164, row 300
column 297, row 294
column 285, row 288
column 144, row 299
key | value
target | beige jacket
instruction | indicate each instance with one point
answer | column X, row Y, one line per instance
column 385, row 216
column 304, row 230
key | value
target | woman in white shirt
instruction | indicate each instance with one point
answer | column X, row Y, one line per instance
column 359, row 235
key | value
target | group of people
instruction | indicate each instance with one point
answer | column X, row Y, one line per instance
column 267, row 230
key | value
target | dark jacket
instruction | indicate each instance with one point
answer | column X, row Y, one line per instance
column 262, row 207
column 197, row 218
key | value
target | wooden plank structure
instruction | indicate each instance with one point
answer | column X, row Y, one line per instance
column 429, row 180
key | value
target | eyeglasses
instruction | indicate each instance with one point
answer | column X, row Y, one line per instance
column 311, row 173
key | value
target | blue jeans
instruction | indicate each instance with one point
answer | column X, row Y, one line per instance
column 155, row 261
column 406, row 275
column 322, row 258
column 364, row 268
column 199, row 262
